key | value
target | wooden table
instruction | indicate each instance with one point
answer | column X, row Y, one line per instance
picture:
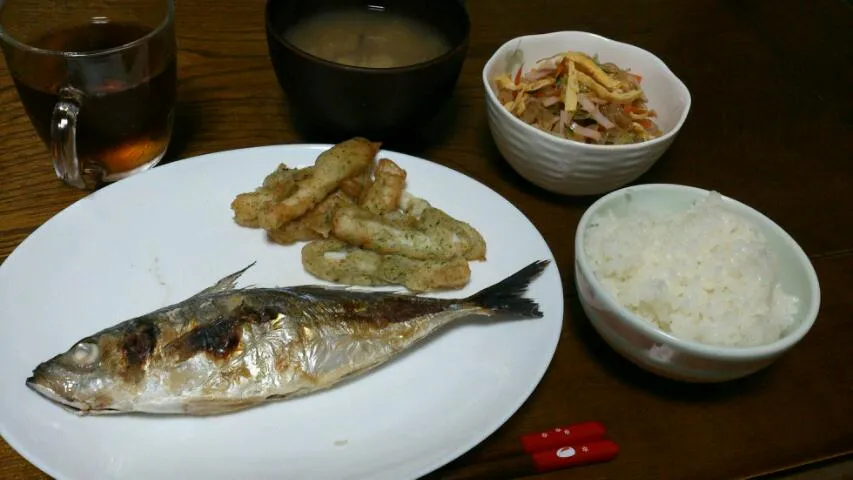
column 771, row 125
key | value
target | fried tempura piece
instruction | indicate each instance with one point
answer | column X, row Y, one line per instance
column 361, row 228
column 283, row 179
column 383, row 195
column 433, row 219
column 315, row 224
column 277, row 186
column 356, row 186
column 434, row 236
column 400, row 219
column 412, row 205
column 335, row 261
column 430, row 218
column 425, row 275
column 342, row 161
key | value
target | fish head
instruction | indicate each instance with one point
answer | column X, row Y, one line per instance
column 99, row 374
column 78, row 379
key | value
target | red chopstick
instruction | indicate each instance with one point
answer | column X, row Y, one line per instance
column 561, row 436
column 554, row 449
column 575, row 455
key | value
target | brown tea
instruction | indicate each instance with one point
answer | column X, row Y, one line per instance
column 125, row 117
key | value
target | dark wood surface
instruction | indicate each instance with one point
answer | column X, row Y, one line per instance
column 771, row 125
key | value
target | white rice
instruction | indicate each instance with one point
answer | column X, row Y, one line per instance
column 703, row 274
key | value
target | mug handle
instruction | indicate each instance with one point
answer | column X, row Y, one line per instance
column 63, row 142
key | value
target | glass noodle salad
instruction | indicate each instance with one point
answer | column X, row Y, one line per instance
column 572, row 95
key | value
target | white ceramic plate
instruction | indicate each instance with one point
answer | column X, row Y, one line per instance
column 158, row 237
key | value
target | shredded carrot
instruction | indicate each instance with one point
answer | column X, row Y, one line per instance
column 553, row 99
column 561, row 69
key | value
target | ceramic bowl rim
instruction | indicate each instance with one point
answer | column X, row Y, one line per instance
column 632, row 49
column 461, row 45
column 808, row 316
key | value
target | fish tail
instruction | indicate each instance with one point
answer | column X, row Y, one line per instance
column 507, row 296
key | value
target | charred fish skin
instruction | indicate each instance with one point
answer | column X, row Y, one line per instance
column 226, row 349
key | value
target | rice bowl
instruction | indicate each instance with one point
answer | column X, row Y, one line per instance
column 687, row 352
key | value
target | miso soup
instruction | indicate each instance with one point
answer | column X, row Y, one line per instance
column 369, row 39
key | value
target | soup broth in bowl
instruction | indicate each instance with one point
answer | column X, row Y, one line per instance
column 380, row 69
column 368, row 38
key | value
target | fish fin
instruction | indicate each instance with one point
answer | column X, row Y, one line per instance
column 403, row 293
column 507, row 296
column 226, row 283
column 326, row 289
column 203, row 407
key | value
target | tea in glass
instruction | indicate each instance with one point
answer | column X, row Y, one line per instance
column 98, row 83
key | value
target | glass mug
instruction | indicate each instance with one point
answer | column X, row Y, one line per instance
column 97, row 80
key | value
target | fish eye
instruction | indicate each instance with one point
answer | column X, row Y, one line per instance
column 85, row 353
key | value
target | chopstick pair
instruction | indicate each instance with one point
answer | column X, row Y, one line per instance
column 555, row 449
column 569, row 446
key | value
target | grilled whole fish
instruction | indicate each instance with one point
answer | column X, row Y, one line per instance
column 226, row 349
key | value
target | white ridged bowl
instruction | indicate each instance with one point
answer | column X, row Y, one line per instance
column 572, row 168
column 662, row 353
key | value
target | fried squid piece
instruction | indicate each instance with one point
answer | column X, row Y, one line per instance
column 356, row 186
column 430, row 218
column 342, row 161
column 335, row 261
column 433, row 219
column 383, row 195
column 277, row 186
column 432, row 234
column 315, row 224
